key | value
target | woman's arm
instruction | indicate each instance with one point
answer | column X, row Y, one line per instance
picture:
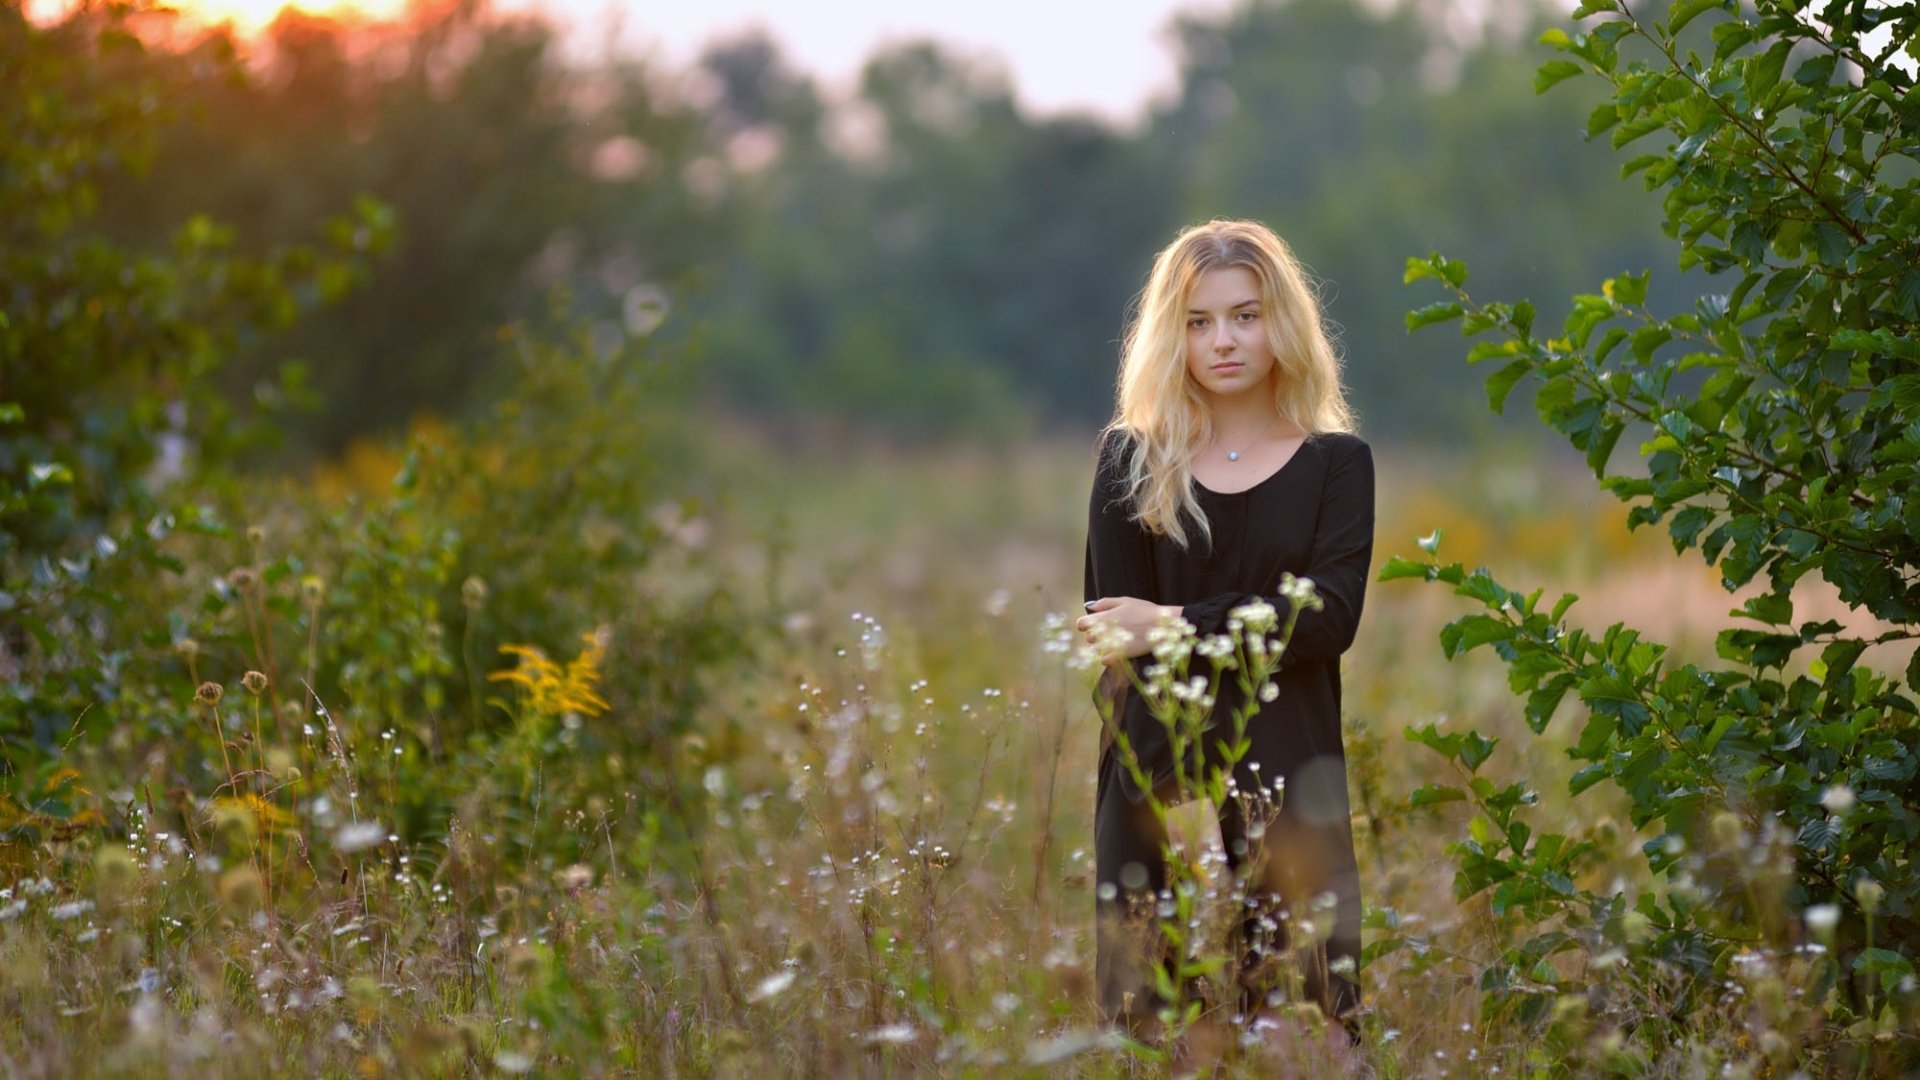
column 1119, row 560
column 1342, row 555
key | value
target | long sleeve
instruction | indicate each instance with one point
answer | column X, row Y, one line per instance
column 1341, row 555
column 1119, row 554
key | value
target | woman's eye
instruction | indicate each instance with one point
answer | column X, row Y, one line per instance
column 1246, row 316
column 1195, row 324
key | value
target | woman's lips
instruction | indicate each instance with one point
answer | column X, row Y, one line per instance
column 1228, row 368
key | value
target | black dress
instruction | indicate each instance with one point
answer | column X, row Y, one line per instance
column 1313, row 517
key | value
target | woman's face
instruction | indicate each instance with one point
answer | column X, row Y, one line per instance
column 1227, row 352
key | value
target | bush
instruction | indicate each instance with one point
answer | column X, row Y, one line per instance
column 106, row 366
column 1777, row 795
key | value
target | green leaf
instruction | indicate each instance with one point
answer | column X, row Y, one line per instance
column 1817, row 71
column 1685, row 12
column 1774, row 609
column 1500, row 384
column 1604, row 116
column 1763, row 71
column 1444, row 311
column 1554, row 72
column 1434, row 794
column 1399, row 566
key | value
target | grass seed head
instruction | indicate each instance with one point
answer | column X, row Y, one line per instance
column 241, row 889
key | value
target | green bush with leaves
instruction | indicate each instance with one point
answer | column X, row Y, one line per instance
column 107, row 358
column 1779, row 431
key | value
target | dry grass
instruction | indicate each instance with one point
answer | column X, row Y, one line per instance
column 894, row 871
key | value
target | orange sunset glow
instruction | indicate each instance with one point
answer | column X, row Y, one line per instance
column 251, row 16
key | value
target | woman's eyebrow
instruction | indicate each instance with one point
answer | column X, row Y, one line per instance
column 1236, row 307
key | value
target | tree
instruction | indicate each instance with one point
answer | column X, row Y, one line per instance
column 1778, row 436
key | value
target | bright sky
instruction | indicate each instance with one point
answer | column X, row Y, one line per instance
column 1109, row 56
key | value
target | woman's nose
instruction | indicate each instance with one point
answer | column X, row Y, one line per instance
column 1222, row 336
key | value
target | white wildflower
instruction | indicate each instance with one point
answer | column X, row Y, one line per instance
column 1822, row 918
column 1838, row 800
column 772, row 986
column 358, row 836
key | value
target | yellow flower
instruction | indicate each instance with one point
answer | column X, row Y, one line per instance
column 550, row 689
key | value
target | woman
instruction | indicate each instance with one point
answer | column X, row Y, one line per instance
column 1230, row 460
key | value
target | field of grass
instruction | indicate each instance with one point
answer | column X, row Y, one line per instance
column 867, row 852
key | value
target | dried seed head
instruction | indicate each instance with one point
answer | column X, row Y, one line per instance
column 242, row 578
column 209, row 693
column 473, row 592
column 256, row 535
column 312, row 588
column 255, row 682
column 115, row 873
column 187, row 646
column 241, row 888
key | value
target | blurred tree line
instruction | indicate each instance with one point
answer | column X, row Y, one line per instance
column 923, row 256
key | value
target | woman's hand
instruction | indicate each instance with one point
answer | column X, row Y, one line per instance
column 1128, row 613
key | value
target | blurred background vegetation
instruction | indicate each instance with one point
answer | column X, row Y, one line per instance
column 922, row 257
column 389, row 361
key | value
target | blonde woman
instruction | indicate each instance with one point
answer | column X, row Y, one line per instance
column 1231, row 460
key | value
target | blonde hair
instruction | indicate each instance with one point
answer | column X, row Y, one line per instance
column 1158, row 405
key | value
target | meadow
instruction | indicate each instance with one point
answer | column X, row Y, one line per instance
column 809, row 794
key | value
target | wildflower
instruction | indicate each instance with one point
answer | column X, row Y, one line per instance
column 772, row 986
column 473, row 592
column 891, row 1033
column 242, row 578
column 255, row 682
column 1300, row 592
column 187, row 647
column 312, row 588
column 1838, row 800
column 550, row 689
column 70, row 909
column 358, row 836
column 1257, row 617
column 575, row 877
column 1822, row 918
column 209, row 693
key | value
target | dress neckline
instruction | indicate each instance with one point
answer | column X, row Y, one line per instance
column 1298, row 452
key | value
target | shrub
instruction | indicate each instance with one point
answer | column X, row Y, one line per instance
column 1776, row 421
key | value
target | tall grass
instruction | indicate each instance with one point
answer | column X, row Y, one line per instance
column 863, row 848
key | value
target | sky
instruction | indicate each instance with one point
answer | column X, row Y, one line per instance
column 1105, row 56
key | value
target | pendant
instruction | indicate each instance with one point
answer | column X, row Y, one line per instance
column 1233, row 455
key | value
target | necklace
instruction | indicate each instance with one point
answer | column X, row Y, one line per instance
column 1234, row 455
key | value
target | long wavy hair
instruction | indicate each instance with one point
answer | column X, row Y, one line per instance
column 1159, row 409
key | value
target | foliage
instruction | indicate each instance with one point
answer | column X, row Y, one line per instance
column 467, row 123
column 106, row 363
column 1778, row 432
column 923, row 254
